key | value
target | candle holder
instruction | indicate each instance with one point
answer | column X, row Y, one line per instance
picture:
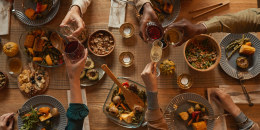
column 184, row 81
column 127, row 30
column 126, row 59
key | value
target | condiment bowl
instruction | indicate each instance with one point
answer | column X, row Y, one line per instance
column 212, row 43
column 92, row 36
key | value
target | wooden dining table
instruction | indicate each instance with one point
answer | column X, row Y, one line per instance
column 96, row 18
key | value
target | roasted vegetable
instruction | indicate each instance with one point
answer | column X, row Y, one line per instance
column 30, row 13
column 55, row 112
column 184, row 116
column 92, row 74
column 247, row 50
column 82, row 75
column 45, row 117
column 127, row 117
column 199, row 125
column 89, row 64
column 242, row 62
column 49, row 60
column 29, row 41
column 168, row 8
column 44, row 110
column 37, row 59
column 167, row 67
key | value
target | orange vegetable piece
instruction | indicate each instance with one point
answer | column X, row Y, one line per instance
column 30, row 13
column 37, row 59
column 248, row 43
column 122, row 105
column 189, row 123
column 168, row 8
column 48, row 60
column 31, row 51
column 43, row 7
column 44, row 110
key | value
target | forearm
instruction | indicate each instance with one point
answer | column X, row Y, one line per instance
column 244, row 123
column 140, row 3
column 75, row 91
column 241, row 22
column 154, row 115
column 82, row 4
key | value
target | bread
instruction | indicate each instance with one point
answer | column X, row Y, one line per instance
column 184, row 116
column 29, row 40
column 199, row 125
column 247, row 50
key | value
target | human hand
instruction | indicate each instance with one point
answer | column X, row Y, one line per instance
column 148, row 15
column 149, row 77
column 4, row 119
column 188, row 29
column 74, row 70
column 74, row 16
column 225, row 101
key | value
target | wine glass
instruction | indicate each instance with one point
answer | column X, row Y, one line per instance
column 173, row 36
column 156, row 53
column 154, row 31
column 74, row 50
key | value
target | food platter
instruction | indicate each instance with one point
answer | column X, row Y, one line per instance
column 19, row 9
column 171, row 114
column 229, row 65
column 45, row 49
column 167, row 19
column 98, row 61
column 46, row 101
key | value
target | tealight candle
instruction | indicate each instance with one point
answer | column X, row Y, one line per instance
column 126, row 59
column 184, row 81
column 127, row 30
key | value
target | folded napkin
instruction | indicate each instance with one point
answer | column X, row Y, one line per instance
column 4, row 17
column 220, row 124
column 84, row 98
column 236, row 93
column 117, row 14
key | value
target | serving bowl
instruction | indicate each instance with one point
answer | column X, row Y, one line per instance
column 212, row 43
column 95, row 36
column 109, row 100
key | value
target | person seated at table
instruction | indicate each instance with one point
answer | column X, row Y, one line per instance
column 241, row 22
column 154, row 114
column 79, row 7
column 76, row 11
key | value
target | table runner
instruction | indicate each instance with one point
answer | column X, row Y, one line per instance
column 141, row 51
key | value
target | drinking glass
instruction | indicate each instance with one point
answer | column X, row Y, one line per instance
column 156, row 54
column 74, row 50
column 68, row 30
column 154, row 31
column 173, row 36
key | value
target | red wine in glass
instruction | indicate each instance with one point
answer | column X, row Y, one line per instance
column 154, row 31
column 74, row 51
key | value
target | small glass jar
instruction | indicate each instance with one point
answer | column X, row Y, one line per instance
column 14, row 66
column 126, row 59
column 184, row 81
column 127, row 30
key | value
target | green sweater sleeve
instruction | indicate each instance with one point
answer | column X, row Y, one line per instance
column 241, row 22
column 76, row 114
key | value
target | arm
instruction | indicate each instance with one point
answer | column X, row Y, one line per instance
column 77, row 111
column 241, row 22
column 224, row 100
column 82, row 4
column 154, row 115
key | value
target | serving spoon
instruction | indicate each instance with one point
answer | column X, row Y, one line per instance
column 131, row 98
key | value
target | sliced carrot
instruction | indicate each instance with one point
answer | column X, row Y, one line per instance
column 157, row 9
column 197, row 119
column 117, row 105
column 189, row 123
column 43, row 7
column 119, row 90
column 122, row 105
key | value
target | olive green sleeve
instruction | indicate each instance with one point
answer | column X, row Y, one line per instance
column 241, row 22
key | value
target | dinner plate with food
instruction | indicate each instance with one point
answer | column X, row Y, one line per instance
column 240, row 54
column 166, row 10
column 33, row 80
column 42, row 113
column 35, row 12
column 92, row 72
column 116, row 108
column 38, row 46
column 187, row 111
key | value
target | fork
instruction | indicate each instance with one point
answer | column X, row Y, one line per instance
column 241, row 78
column 215, row 117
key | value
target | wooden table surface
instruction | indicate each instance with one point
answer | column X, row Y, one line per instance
column 98, row 14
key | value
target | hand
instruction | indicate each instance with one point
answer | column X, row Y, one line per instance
column 4, row 119
column 74, row 16
column 149, row 77
column 226, row 102
column 74, row 70
column 148, row 15
column 188, row 29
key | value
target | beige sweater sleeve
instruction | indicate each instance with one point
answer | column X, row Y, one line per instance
column 241, row 22
column 155, row 120
column 139, row 4
column 83, row 4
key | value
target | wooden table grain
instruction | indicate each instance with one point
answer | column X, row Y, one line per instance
column 97, row 15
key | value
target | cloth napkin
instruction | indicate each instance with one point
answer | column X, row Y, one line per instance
column 220, row 124
column 117, row 14
column 236, row 93
column 84, row 98
column 4, row 17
